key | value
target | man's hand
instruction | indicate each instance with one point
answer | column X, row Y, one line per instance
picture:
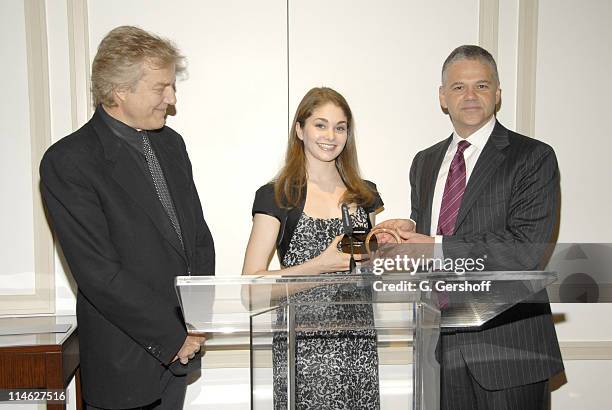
column 403, row 227
column 421, row 245
column 413, row 237
column 190, row 347
column 414, row 245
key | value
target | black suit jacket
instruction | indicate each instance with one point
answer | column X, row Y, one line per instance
column 124, row 255
column 508, row 212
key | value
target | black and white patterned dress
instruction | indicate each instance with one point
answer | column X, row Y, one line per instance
column 335, row 369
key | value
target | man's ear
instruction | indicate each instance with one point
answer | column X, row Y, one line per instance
column 442, row 97
column 120, row 94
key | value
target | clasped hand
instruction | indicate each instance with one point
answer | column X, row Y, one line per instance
column 421, row 245
column 191, row 346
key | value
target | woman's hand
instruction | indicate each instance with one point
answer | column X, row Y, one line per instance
column 331, row 259
column 262, row 244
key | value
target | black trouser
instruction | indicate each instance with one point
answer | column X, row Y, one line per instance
column 460, row 391
column 172, row 397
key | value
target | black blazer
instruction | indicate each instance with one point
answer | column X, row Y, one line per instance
column 124, row 255
column 509, row 212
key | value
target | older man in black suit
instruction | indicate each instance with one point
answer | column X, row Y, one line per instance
column 486, row 190
column 122, row 201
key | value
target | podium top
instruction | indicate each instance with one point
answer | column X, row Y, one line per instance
column 226, row 304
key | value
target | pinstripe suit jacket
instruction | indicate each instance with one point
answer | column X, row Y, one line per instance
column 508, row 212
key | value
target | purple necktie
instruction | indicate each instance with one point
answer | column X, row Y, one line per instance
column 453, row 192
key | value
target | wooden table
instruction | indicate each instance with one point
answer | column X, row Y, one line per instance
column 40, row 359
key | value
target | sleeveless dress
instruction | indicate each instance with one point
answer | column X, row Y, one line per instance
column 335, row 369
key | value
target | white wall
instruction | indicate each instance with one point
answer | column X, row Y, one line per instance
column 572, row 108
column 385, row 58
column 507, row 61
column 16, row 214
column 61, row 122
column 232, row 110
column 374, row 54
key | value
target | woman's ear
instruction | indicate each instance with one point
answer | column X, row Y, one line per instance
column 299, row 131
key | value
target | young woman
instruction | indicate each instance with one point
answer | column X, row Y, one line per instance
column 299, row 215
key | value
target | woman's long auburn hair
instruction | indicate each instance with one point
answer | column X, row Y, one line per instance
column 290, row 183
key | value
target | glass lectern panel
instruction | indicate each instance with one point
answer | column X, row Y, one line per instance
column 261, row 358
column 366, row 332
column 340, row 360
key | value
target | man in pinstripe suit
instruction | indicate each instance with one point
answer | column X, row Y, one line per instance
column 506, row 208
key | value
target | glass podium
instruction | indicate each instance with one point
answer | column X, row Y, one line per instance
column 394, row 310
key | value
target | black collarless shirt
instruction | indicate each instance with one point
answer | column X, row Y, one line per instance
column 132, row 139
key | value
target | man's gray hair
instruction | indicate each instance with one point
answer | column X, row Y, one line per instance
column 470, row 52
column 120, row 59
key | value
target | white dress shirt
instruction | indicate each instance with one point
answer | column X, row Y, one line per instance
column 477, row 142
